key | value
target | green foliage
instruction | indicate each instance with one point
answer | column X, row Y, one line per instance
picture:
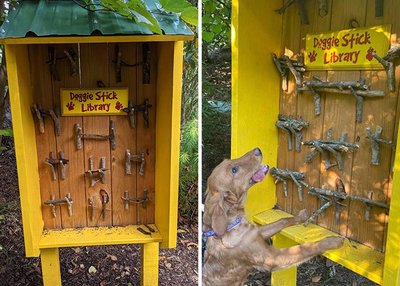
column 216, row 134
column 137, row 11
column 5, row 132
column 216, row 23
column 188, row 169
column 183, row 8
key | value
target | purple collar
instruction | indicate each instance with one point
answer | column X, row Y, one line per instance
column 236, row 222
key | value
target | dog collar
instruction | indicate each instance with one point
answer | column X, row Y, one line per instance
column 235, row 223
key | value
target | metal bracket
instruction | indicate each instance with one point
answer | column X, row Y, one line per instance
column 139, row 158
column 71, row 56
column 128, row 200
column 52, row 62
column 359, row 89
column 300, row 6
column 92, row 207
column 293, row 127
column 329, row 146
column 119, row 64
column 105, row 199
column 97, row 175
column 285, row 64
column 132, row 108
column 339, row 195
column 53, row 163
column 40, row 114
column 146, row 63
column 282, row 175
column 53, row 203
column 79, row 136
column 376, row 140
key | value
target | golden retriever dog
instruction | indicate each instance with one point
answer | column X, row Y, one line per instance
column 235, row 246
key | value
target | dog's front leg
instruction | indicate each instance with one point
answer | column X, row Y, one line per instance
column 286, row 257
column 271, row 229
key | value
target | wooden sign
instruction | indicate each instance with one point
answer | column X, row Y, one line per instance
column 101, row 101
column 347, row 49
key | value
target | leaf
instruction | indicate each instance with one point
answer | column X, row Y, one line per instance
column 6, row 132
column 168, row 265
column 77, row 249
column 177, row 6
column 208, row 36
column 190, row 16
column 191, row 244
column 112, row 257
column 316, row 279
column 143, row 16
column 92, row 270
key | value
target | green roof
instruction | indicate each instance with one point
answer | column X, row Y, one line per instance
column 66, row 18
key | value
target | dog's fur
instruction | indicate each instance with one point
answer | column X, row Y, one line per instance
column 231, row 255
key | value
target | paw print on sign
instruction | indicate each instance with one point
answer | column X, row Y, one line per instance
column 70, row 106
column 370, row 54
column 312, row 56
column 118, row 105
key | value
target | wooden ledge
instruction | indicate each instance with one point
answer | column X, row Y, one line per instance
column 354, row 256
column 91, row 236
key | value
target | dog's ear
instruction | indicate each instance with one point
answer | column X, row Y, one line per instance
column 215, row 216
column 219, row 218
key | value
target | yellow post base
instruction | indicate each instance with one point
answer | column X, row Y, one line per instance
column 286, row 277
column 149, row 267
column 50, row 267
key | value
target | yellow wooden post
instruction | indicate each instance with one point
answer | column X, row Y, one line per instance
column 25, row 145
column 256, row 33
column 50, row 259
column 286, row 277
column 149, row 267
column 169, row 87
column 391, row 271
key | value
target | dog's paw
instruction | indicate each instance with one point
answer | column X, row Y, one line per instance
column 332, row 242
column 302, row 216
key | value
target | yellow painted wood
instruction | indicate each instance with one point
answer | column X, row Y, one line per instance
column 285, row 277
column 354, row 256
column 96, row 39
column 391, row 275
column 25, row 146
column 327, row 57
column 255, row 89
column 169, row 87
column 50, row 260
column 89, row 102
column 149, row 267
column 97, row 236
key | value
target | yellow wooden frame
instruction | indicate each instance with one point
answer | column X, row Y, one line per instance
column 168, row 102
column 256, row 33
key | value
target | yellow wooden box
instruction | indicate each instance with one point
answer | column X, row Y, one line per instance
column 167, row 75
column 257, row 32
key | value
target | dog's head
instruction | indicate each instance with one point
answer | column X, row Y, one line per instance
column 227, row 188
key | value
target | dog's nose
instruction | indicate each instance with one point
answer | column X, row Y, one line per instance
column 257, row 152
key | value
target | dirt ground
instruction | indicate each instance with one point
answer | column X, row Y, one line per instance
column 105, row 265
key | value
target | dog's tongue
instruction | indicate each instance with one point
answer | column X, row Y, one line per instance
column 260, row 174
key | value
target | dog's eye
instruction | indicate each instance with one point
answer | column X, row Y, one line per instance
column 235, row 169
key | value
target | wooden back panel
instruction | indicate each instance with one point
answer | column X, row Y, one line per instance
column 338, row 112
column 96, row 63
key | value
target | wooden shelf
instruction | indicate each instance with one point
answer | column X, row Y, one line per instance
column 92, row 236
column 354, row 256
